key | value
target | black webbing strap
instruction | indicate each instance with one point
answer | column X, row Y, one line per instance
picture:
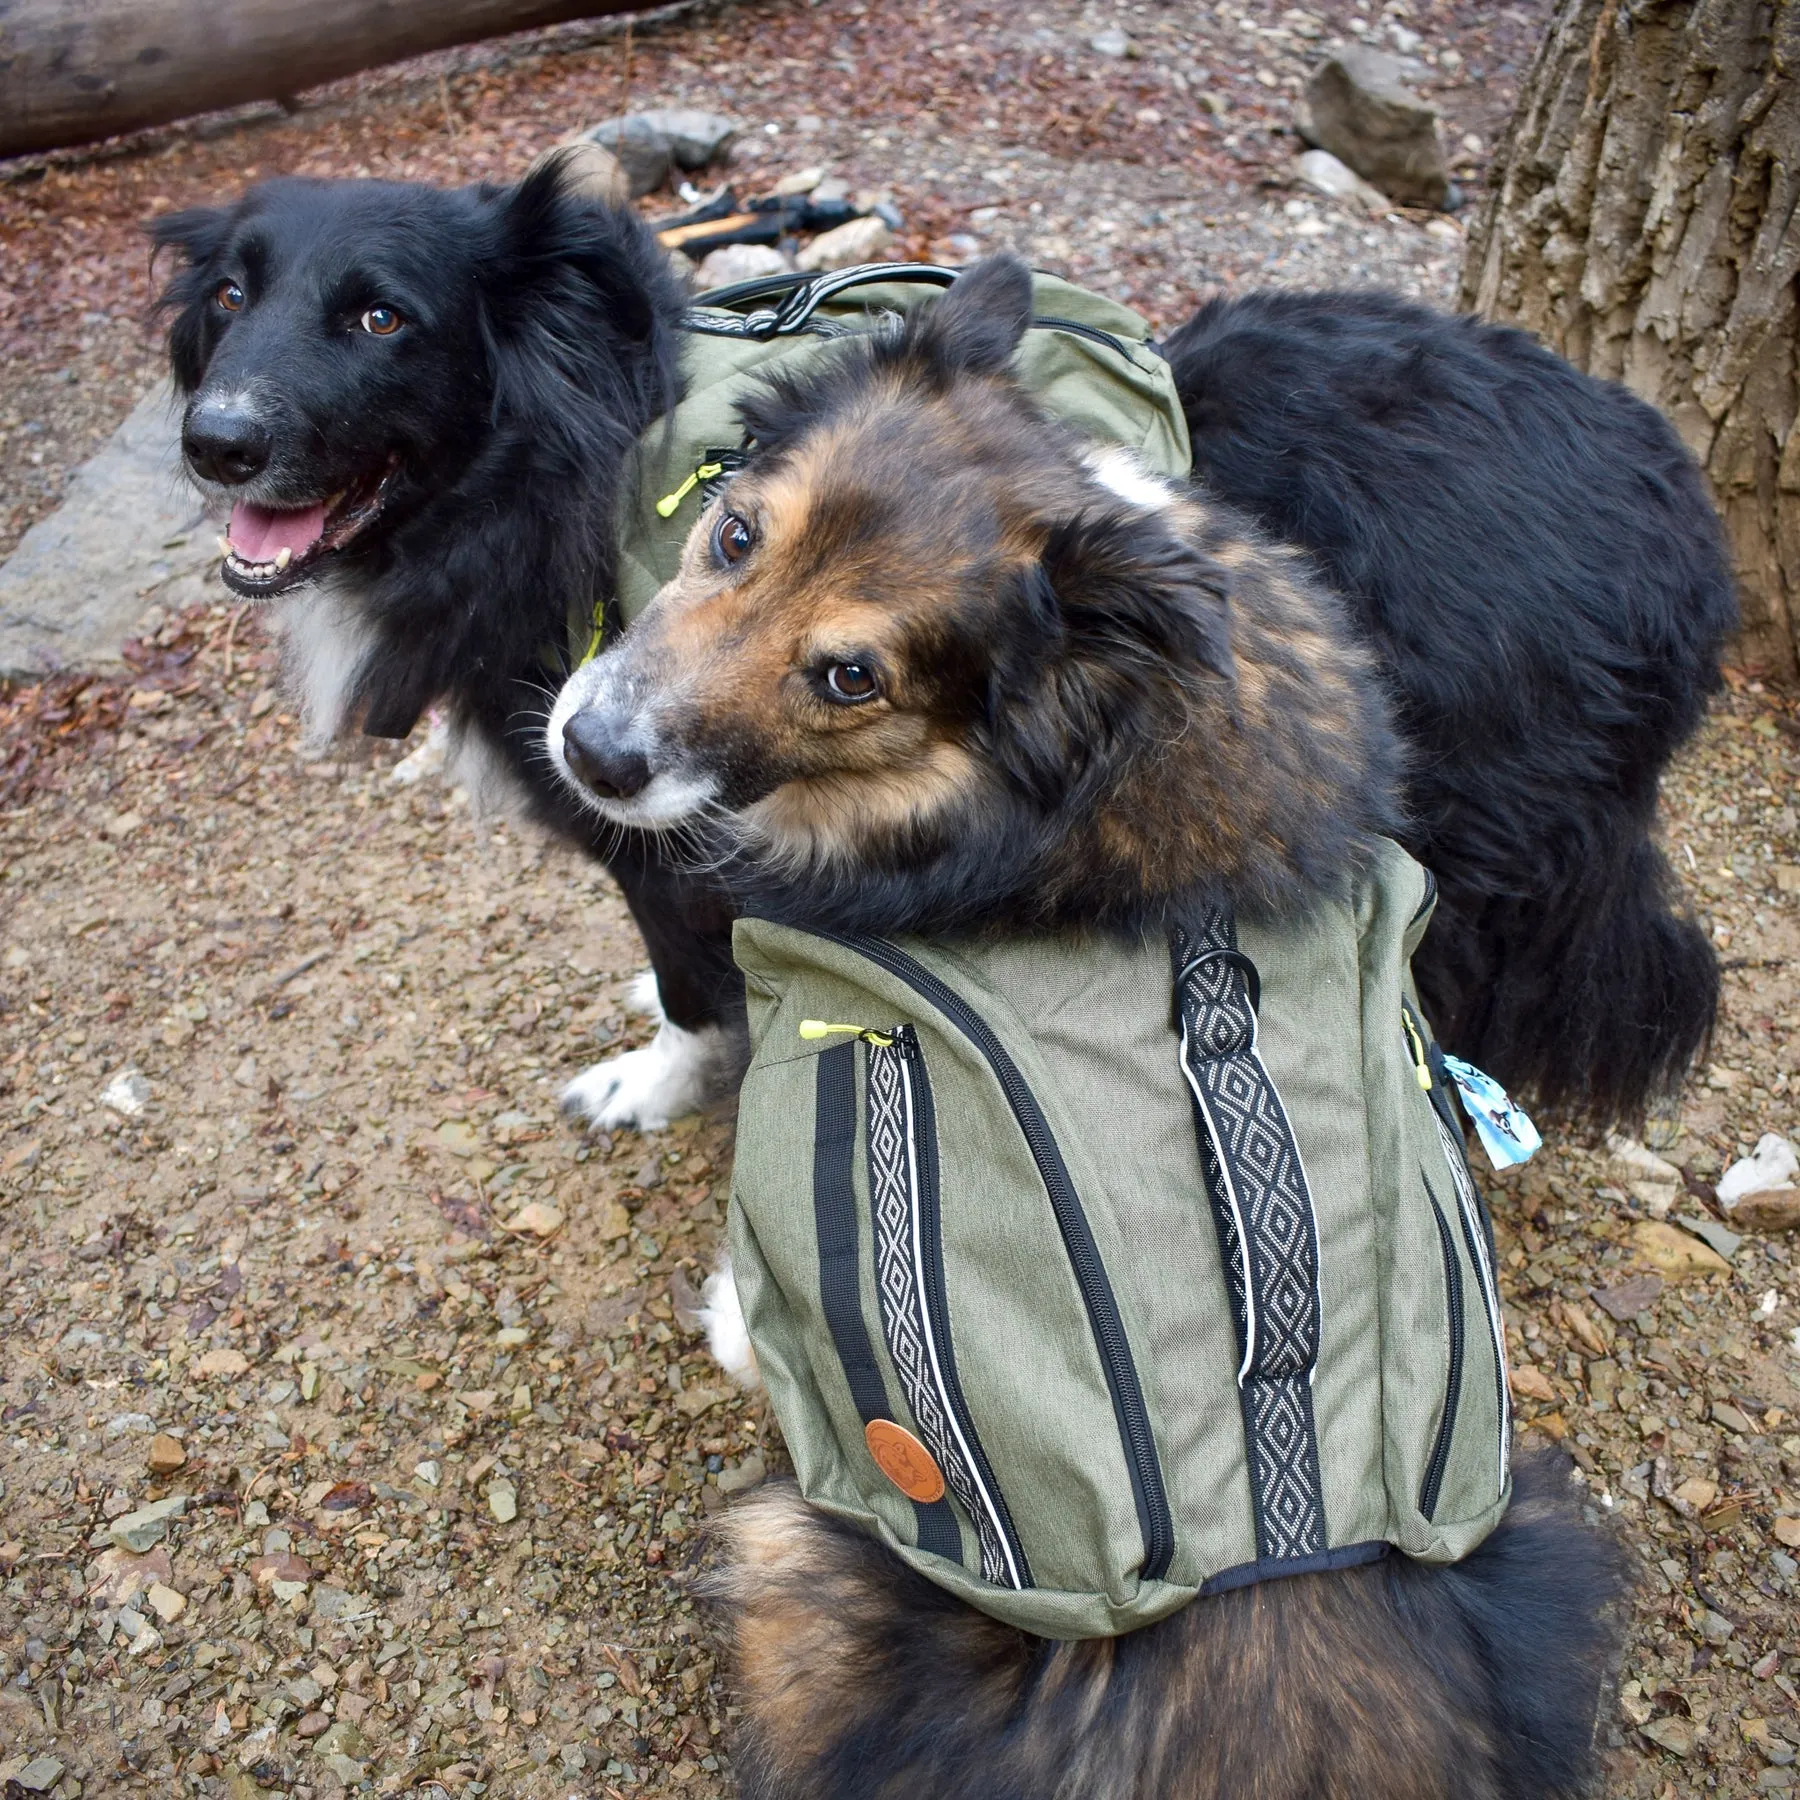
column 1268, row 1236
column 840, row 1288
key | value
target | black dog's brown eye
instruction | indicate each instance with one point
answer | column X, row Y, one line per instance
column 230, row 296
column 381, row 321
column 852, row 682
column 731, row 539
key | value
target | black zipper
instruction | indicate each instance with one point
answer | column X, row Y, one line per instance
column 1430, row 900
column 1148, row 1493
column 937, row 1305
column 1453, row 1293
column 1116, row 345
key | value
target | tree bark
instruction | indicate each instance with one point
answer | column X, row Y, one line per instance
column 1646, row 227
column 72, row 71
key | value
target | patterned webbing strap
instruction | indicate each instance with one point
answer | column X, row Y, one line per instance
column 835, row 1219
column 1267, row 1233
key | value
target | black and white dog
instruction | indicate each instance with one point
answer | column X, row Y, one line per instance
column 420, row 407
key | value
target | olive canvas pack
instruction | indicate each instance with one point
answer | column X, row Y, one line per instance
column 1092, row 1276
column 1088, row 360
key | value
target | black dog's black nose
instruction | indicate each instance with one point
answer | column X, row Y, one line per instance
column 225, row 444
column 600, row 760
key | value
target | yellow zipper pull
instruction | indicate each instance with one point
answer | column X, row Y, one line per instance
column 1421, row 1063
column 817, row 1028
column 666, row 506
column 593, row 648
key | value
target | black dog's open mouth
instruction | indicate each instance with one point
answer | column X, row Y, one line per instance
column 267, row 551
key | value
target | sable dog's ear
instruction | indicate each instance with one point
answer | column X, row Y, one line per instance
column 1116, row 609
column 977, row 325
column 1130, row 592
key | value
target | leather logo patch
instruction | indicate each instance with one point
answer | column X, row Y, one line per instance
column 904, row 1461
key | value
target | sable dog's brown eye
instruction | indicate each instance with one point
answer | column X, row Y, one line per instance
column 230, row 296
column 381, row 321
column 852, row 682
column 731, row 539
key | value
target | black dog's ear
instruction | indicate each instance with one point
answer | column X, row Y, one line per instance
column 198, row 233
column 557, row 238
column 975, row 328
column 1130, row 592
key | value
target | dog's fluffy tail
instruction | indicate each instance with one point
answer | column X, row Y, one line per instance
column 1594, row 998
column 1395, row 1681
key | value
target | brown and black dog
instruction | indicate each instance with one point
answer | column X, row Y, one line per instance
column 933, row 665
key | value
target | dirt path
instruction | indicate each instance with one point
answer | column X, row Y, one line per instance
column 445, row 1474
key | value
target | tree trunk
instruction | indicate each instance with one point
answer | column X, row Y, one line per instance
column 1646, row 227
column 72, row 71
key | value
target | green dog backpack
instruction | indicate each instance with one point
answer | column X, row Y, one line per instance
column 1092, row 1276
column 1087, row 359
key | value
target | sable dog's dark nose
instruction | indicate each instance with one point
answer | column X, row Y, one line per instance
column 599, row 759
column 225, row 444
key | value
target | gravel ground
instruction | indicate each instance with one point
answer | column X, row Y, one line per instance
column 416, row 1353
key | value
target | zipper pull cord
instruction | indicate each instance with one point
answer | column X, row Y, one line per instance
column 1421, row 1063
column 665, row 507
column 817, row 1028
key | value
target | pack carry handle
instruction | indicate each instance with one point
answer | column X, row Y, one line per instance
column 801, row 295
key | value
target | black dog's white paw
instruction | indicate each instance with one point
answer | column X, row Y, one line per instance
column 676, row 1072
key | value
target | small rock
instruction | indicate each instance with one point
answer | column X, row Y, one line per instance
column 1584, row 1330
column 122, row 1423
column 641, row 151
column 1787, row 1531
column 165, row 1602
column 39, row 1775
column 429, row 1472
column 127, row 1094
column 149, row 1525
column 1732, row 1418
column 1721, row 1237
column 732, row 263
column 695, row 138
column 537, row 1219
column 222, row 1362
column 1654, row 1197
column 1532, row 1383
column 311, row 1724
column 1671, row 1734
column 1320, row 169
column 744, row 1476
column 1697, row 1492
column 1675, row 1253
column 1359, row 108
column 1715, row 1627
column 1630, row 1160
column 1769, row 1210
column 1772, row 1164
column 167, row 1454
column 1114, row 43
column 266, row 1571
column 1625, row 1300
column 615, row 1223
column 845, row 245
column 802, row 181
column 122, row 1575
column 503, row 1500
column 1603, row 1383
column 457, row 1137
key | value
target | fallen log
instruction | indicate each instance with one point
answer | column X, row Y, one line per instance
column 72, row 71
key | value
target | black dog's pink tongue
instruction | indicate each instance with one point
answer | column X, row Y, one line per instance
column 260, row 535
